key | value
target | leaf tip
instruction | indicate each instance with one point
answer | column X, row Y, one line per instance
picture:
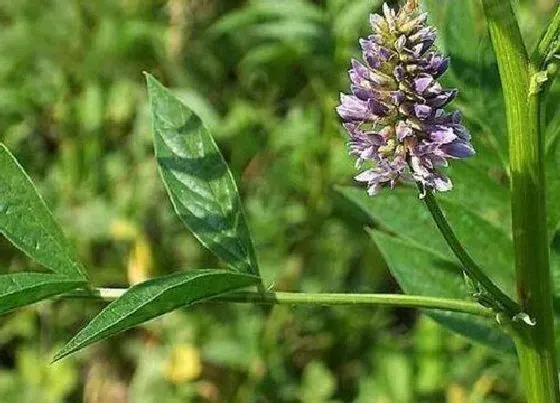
column 151, row 81
column 59, row 356
column 148, row 77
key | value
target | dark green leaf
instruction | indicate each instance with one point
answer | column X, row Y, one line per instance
column 199, row 181
column 555, row 271
column 464, row 38
column 401, row 212
column 154, row 298
column 27, row 222
column 267, row 10
column 20, row 289
column 421, row 272
column 553, row 186
column 458, row 28
column 286, row 31
column 351, row 17
column 477, row 191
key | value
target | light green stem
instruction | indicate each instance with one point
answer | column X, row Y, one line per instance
column 287, row 298
column 535, row 345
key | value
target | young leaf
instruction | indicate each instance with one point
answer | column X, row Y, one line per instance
column 198, row 180
column 154, row 298
column 27, row 222
column 401, row 212
column 22, row 289
column 420, row 272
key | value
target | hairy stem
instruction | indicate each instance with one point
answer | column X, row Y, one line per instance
column 469, row 266
column 287, row 298
column 535, row 345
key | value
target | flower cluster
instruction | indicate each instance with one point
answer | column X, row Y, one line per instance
column 395, row 117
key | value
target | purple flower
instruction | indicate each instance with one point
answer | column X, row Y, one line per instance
column 395, row 116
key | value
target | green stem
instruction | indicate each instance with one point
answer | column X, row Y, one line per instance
column 535, row 345
column 287, row 298
column 469, row 266
column 549, row 43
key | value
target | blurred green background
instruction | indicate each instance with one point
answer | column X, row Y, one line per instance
column 265, row 77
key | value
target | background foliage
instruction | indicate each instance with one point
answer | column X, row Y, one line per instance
column 265, row 77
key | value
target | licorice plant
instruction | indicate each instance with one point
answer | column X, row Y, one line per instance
column 403, row 132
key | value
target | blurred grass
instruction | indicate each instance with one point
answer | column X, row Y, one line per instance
column 265, row 76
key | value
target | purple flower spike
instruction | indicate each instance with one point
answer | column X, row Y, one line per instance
column 396, row 118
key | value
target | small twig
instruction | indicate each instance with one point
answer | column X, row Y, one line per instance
column 469, row 266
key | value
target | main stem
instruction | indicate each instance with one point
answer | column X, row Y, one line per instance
column 535, row 345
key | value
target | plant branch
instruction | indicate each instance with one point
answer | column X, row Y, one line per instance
column 549, row 43
column 535, row 345
column 509, row 306
column 287, row 298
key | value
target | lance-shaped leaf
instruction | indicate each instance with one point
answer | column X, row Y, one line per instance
column 198, row 180
column 20, row 289
column 400, row 211
column 154, row 298
column 27, row 222
column 553, row 187
column 421, row 272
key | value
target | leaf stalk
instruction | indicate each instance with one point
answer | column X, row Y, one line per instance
column 326, row 299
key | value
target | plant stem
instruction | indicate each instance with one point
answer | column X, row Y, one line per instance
column 287, row 298
column 535, row 345
column 549, row 43
column 469, row 266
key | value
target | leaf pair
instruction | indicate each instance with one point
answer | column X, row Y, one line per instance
column 204, row 195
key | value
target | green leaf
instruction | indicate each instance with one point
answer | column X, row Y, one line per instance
column 20, row 289
column 286, row 31
column 352, row 16
column 464, row 38
column 421, row 272
column 553, row 187
column 555, row 272
column 318, row 383
column 401, row 212
column 458, row 30
column 154, row 298
column 27, row 222
column 477, row 191
column 267, row 10
column 199, row 181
